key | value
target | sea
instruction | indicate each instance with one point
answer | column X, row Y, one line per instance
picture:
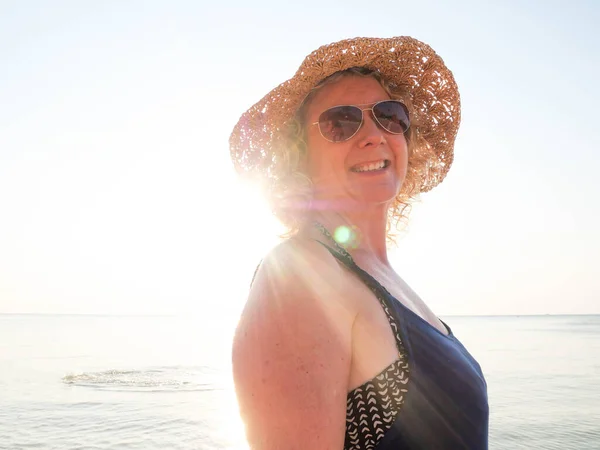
column 164, row 382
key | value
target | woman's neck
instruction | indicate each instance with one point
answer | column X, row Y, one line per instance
column 363, row 232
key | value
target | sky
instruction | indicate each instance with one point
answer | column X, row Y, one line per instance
column 117, row 194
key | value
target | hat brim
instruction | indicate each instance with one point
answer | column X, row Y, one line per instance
column 256, row 143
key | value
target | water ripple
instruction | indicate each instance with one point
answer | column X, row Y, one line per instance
column 157, row 379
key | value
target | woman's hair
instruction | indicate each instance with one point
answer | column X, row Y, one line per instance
column 290, row 195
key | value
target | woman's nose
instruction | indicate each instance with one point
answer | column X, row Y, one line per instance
column 371, row 132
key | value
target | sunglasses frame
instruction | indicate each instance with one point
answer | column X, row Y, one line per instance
column 362, row 118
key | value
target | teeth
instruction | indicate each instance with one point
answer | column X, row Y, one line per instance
column 369, row 167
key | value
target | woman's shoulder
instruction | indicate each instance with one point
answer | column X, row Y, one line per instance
column 297, row 261
column 292, row 349
column 299, row 273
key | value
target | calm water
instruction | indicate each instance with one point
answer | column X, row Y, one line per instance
column 100, row 382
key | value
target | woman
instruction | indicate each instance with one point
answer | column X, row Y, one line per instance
column 333, row 349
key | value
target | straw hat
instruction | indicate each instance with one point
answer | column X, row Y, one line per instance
column 258, row 141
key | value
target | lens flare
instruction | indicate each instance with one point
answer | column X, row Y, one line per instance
column 343, row 235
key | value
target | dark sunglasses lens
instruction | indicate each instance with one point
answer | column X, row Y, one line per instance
column 340, row 123
column 393, row 116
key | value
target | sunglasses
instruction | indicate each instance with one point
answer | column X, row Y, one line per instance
column 340, row 123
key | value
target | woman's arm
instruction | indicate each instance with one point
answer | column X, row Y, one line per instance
column 292, row 352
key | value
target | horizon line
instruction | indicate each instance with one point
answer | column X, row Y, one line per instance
column 187, row 314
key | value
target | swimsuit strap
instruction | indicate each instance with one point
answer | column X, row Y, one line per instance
column 386, row 299
column 255, row 272
column 342, row 254
column 338, row 248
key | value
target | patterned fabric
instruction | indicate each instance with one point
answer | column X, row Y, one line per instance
column 371, row 408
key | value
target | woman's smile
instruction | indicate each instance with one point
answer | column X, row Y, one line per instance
column 372, row 167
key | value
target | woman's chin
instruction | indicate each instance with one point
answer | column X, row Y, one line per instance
column 379, row 196
column 356, row 199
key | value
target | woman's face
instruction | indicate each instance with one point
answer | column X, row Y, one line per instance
column 337, row 170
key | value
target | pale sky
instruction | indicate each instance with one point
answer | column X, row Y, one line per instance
column 117, row 194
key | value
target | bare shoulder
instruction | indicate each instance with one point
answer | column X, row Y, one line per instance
column 292, row 350
column 296, row 265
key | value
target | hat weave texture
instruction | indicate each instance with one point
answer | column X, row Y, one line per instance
column 257, row 143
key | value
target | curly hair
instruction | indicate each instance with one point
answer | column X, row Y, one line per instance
column 290, row 195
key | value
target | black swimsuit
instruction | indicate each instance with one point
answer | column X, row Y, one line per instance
column 434, row 396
